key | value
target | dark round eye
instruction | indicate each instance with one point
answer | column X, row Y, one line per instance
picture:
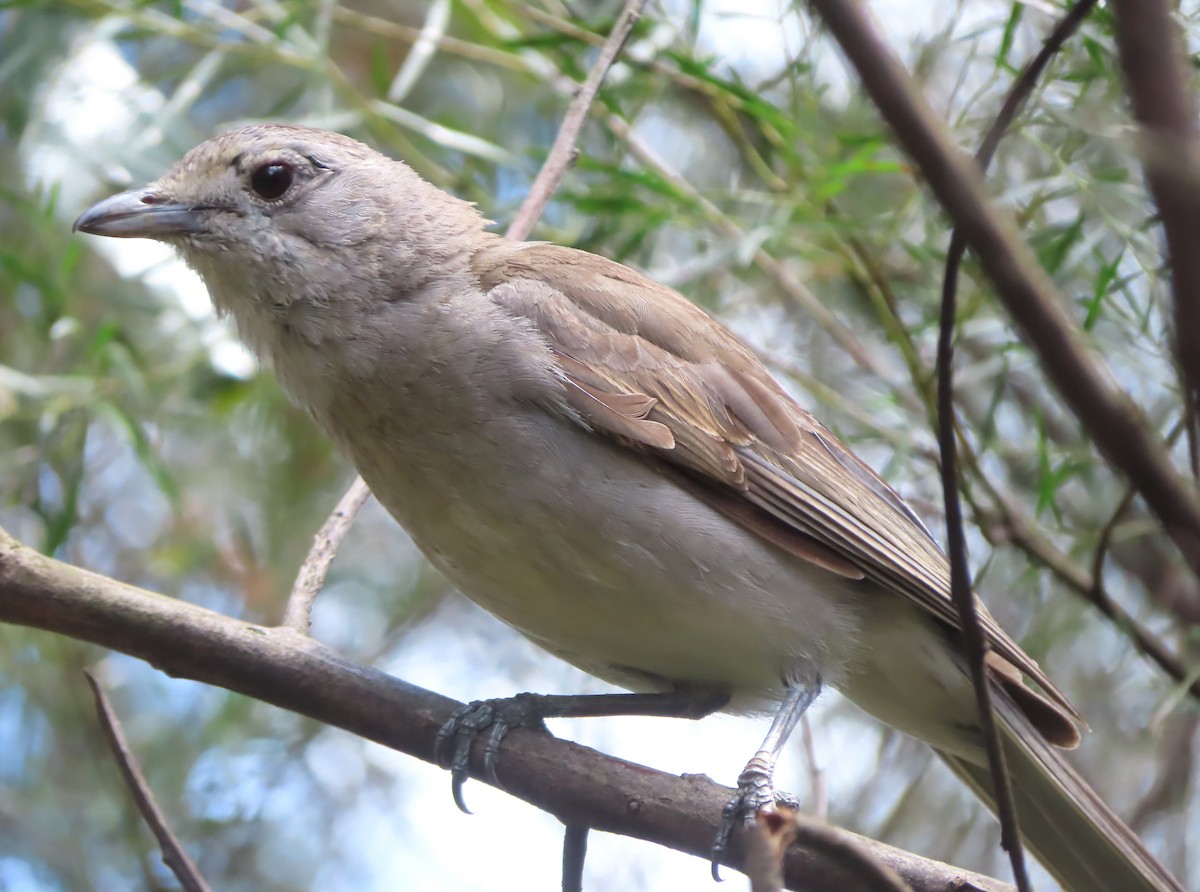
column 271, row 180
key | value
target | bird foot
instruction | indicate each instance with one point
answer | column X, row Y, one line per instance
column 452, row 747
column 755, row 793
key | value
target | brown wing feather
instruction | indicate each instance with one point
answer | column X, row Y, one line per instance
column 623, row 414
column 643, row 364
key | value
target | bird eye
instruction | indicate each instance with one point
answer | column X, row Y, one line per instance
column 271, row 180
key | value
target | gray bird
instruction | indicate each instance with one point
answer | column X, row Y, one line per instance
column 600, row 464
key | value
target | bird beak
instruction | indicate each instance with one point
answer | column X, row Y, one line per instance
column 140, row 213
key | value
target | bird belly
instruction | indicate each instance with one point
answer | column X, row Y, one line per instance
column 589, row 551
column 911, row 675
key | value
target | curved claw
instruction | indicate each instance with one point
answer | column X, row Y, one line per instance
column 457, row 779
column 460, row 762
column 729, row 816
column 754, row 793
column 452, row 746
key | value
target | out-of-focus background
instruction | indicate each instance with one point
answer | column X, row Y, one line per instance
column 732, row 157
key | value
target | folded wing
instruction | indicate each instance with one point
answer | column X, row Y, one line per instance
column 644, row 366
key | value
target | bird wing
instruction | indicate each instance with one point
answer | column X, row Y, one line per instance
column 642, row 364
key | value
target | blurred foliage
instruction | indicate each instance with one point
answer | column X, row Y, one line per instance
column 729, row 156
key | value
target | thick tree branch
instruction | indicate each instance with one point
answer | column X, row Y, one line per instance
column 276, row 665
column 1113, row 423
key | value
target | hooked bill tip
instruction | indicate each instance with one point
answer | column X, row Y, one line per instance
column 139, row 213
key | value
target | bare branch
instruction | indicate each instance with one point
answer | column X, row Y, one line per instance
column 974, row 643
column 1154, row 60
column 1114, row 424
column 563, row 151
column 576, row 784
column 816, row 777
column 867, row 871
column 311, row 579
column 173, row 854
column 575, row 840
column 766, row 841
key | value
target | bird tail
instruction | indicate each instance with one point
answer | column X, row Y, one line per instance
column 1070, row 830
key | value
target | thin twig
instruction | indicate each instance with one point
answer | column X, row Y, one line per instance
column 173, row 854
column 1113, row 423
column 1018, row 530
column 1023, row 86
column 563, row 151
column 311, row 579
column 575, row 842
column 1106, row 535
column 974, row 642
column 816, row 777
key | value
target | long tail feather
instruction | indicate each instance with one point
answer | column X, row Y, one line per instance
column 1063, row 821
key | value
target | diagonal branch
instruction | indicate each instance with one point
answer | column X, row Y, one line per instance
column 1113, row 423
column 563, row 151
column 298, row 613
column 578, row 785
column 1154, row 61
column 173, row 853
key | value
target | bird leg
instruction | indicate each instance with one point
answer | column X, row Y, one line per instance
column 452, row 748
column 755, row 789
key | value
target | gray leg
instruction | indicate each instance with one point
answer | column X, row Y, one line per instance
column 755, row 790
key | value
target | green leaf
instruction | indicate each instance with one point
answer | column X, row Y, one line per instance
column 1105, row 277
column 1006, row 38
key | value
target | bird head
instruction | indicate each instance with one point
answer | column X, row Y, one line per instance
column 275, row 213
